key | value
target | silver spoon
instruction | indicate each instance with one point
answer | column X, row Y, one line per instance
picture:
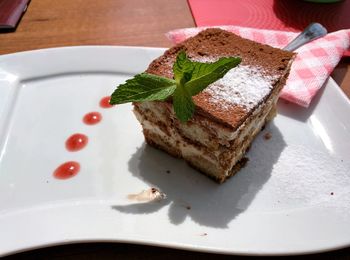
column 312, row 32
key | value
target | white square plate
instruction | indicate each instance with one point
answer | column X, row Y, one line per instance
column 292, row 197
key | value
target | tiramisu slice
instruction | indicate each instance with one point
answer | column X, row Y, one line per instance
column 229, row 113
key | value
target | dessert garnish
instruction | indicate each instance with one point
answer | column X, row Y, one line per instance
column 190, row 78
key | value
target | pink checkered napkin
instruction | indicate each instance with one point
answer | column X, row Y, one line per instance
column 313, row 65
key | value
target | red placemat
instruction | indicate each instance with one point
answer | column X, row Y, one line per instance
column 286, row 15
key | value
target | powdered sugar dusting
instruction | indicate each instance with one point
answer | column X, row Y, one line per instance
column 205, row 59
column 243, row 86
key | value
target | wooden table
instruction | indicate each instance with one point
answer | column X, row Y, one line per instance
column 53, row 23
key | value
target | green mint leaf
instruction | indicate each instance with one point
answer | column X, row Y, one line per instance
column 183, row 104
column 190, row 78
column 143, row 87
column 182, row 68
column 203, row 74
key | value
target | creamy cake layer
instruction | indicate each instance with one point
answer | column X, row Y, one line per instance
column 217, row 163
column 198, row 156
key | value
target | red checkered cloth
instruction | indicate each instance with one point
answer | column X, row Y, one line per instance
column 314, row 62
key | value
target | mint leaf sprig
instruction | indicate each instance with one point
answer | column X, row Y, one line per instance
column 190, row 78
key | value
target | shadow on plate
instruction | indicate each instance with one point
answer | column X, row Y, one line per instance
column 191, row 194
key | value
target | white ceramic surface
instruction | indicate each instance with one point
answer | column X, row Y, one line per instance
column 292, row 197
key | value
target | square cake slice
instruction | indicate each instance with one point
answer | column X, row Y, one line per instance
column 229, row 113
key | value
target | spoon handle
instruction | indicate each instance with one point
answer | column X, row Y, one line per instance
column 312, row 32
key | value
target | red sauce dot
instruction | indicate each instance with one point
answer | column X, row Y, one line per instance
column 92, row 118
column 67, row 170
column 76, row 142
column 104, row 102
